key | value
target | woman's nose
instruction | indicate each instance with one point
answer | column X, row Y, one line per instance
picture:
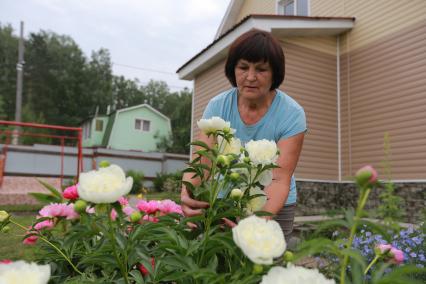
column 251, row 74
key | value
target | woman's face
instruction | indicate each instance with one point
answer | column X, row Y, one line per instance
column 254, row 80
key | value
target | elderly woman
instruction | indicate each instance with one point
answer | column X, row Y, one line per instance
column 258, row 110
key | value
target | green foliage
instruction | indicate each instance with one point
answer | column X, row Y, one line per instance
column 167, row 182
column 390, row 207
column 138, row 179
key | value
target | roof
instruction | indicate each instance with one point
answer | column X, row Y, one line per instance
column 279, row 25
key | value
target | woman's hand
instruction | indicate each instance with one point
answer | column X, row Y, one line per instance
column 190, row 206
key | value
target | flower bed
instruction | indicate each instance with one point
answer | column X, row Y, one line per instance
column 89, row 233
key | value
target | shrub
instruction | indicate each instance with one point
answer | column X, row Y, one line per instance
column 138, row 178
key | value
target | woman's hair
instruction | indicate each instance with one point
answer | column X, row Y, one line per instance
column 255, row 46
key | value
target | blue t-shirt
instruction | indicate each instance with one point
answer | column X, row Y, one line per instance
column 284, row 118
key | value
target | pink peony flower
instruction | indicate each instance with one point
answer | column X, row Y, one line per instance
column 123, row 201
column 168, row 206
column 366, row 174
column 149, row 207
column 113, row 214
column 71, row 193
column 128, row 210
column 59, row 210
column 398, row 256
column 46, row 224
column 30, row 240
column 5, row 261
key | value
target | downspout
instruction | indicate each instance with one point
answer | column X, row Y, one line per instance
column 192, row 118
column 339, row 136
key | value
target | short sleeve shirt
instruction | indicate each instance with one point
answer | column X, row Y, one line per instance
column 284, row 118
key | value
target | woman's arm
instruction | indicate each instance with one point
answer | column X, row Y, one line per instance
column 190, row 206
column 277, row 192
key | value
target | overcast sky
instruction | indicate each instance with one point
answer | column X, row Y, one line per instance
column 158, row 35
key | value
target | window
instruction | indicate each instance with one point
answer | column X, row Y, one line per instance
column 293, row 7
column 99, row 125
column 143, row 125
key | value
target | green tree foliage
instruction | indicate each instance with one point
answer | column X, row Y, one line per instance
column 8, row 59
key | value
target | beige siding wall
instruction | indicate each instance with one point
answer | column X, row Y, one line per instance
column 207, row 85
column 311, row 80
column 385, row 89
column 257, row 7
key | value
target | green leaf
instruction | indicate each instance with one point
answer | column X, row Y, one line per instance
column 44, row 198
column 137, row 276
column 53, row 190
column 201, row 144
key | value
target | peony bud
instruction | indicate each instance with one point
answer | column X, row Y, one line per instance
column 135, row 216
column 236, row 194
column 4, row 216
column 6, row 229
column 223, row 160
column 226, row 130
column 104, row 164
column 234, row 176
column 382, row 249
column 257, row 268
column 246, row 160
column 71, row 192
column 365, row 175
column 288, row 256
column 80, row 206
column 397, row 256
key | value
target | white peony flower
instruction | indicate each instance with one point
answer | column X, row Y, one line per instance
column 257, row 203
column 213, row 124
column 265, row 178
column 294, row 275
column 262, row 152
column 233, row 147
column 105, row 185
column 22, row 272
column 260, row 240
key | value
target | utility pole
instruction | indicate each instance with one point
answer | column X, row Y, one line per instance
column 19, row 81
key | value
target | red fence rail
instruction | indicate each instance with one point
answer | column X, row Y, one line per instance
column 16, row 132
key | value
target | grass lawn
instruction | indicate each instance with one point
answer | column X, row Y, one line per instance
column 11, row 243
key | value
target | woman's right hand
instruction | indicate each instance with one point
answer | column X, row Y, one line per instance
column 190, row 206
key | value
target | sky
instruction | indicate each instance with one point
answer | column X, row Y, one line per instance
column 147, row 39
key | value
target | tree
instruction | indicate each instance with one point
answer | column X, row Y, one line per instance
column 8, row 59
column 178, row 108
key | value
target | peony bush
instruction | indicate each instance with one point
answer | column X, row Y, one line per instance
column 92, row 233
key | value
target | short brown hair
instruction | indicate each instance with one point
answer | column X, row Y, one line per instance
column 255, row 46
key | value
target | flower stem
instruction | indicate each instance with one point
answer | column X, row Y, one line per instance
column 361, row 203
column 52, row 245
column 371, row 264
column 123, row 269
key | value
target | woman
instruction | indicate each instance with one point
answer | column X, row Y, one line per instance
column 258, row 110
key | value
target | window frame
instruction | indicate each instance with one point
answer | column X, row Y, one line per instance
column 280, row 6
column 142, row 121
column 101, row 124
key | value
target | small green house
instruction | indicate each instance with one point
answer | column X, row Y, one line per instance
column 135, row 128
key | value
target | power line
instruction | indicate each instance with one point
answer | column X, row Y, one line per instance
column 143, row 69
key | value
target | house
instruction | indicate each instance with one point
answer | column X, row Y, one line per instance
column 134, row 128
column 358, row 68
